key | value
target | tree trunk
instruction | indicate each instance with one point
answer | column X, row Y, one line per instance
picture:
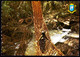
column 43, row 42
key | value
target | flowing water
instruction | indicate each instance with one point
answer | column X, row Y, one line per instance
column 55, row 36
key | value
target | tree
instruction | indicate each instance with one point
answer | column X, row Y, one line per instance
column 43, row 42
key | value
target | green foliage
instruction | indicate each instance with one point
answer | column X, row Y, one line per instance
column 15, row 10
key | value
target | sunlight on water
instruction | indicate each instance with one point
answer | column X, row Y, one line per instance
column 58, row 37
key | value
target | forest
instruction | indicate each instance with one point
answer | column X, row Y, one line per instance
column 39, row 28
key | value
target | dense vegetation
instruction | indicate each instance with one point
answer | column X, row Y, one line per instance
column 17, row 17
